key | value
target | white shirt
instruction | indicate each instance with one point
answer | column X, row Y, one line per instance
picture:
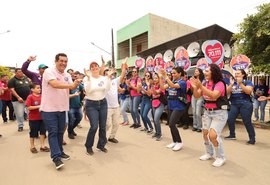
column 112, row 94
column 97, row 88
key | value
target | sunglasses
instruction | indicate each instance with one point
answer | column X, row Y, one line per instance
column 147, row 75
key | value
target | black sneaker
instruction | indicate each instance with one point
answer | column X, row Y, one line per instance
column 65, row 156
column 194, row 129
column 158, row 138
column 71, row 136
column 89, row 151
column 230, row 137
column 137, row 126
column 103, row 150
column 154, row 135
column 150, row 131
column 74, row 133
column 133, row 125
column 20, row 129
column 58, row 163
column 251, row 142
column 185, row 127
column 113, row 140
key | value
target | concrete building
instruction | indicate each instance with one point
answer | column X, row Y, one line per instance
column 147, row 32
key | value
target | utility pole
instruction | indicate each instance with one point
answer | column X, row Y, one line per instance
column 113, row 62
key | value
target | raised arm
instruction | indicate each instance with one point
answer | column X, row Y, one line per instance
column 25, row 66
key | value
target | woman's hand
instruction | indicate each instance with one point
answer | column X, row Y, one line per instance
column 110, row 72
column 195, row 83
column 86, row 73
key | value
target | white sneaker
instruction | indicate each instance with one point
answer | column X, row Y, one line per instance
column 171, row 145
column 219, row 162
column 177, row 146
column 205, row 157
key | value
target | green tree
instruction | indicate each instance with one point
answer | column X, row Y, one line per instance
column 5, row 70
column 253, row 39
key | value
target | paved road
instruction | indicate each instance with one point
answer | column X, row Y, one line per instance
column 136, row 160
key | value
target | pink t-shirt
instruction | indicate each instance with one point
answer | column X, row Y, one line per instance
column 134, row 82
column 156, row 102
column 55, row 100
column 269, row 91
column 188, row 87
column 220, row 87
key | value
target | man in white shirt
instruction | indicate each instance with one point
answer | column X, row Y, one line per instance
column 113, row 104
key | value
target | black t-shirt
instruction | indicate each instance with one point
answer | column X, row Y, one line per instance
column 21, row 86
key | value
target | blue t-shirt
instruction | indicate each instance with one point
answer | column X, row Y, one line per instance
column 260, row 89
column 173, row 99
column 237, row 91
column 75, row 102
column 145, row 87
column 126, row 93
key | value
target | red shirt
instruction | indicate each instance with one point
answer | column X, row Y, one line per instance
column 7, row 94
column 33, row 100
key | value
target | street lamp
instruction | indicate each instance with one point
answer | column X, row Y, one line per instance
column 112, row 54
column 5, row 32
column 100, row 48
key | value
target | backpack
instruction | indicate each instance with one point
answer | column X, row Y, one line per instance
column 163, row 99
column 222, row 102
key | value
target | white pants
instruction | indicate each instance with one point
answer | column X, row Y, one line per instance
column 113, row 118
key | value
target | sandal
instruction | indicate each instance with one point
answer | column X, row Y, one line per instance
column 34, row 150
column 45, row 149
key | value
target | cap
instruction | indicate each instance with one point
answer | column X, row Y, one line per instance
column 42, row 66
column 93, row 62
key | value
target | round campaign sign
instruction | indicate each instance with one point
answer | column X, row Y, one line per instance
column 159, row 63
column 139, row 63
column 202, row 63
column 214, row 52
column 150, row 64
column 169, row 66
column 240, row 62
column 182, row 59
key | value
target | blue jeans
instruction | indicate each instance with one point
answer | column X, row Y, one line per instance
column 124, row 105
column 134, row 105
column 96, row 112
column 19, row 112
column 245, row 108
column 262, row 105
column 145, row 107
column 74, row 118
column 197, row 112
column 214, row 120
column 55, row 125
column 157, row 112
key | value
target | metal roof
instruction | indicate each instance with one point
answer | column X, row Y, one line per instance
column 213, row 32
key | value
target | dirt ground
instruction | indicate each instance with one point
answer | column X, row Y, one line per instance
column 136, row 160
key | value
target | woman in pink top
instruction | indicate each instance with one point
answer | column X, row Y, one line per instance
column 157, row 106
column 135, row 94
column 214, row 118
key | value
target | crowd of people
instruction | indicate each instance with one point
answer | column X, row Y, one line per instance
column 55, row 100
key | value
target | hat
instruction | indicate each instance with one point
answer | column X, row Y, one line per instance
column 42, row 66
column 94, row 62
